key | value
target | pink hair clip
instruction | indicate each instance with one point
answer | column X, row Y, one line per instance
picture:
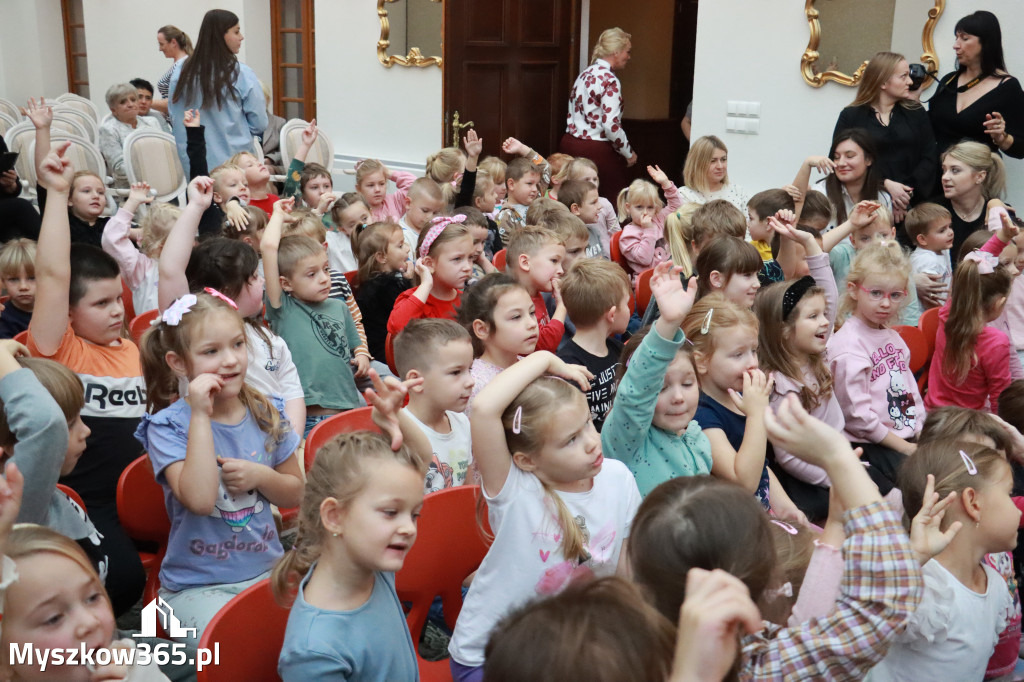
column 216, row 294
column 785, row 526
column 987, row 263
column 436, row 228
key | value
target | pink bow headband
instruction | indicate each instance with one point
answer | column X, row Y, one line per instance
column 987, row 263
column 437, row 226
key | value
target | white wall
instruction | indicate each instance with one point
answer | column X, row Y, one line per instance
column 24, row 71
column 750, row 50
column 120, row 38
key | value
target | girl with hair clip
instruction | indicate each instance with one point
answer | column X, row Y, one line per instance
column 966, row 604
column 851, row 174
column 706, row 174
column 443, row 265
column 53, row 599
column 734, row 397
column 372, row 183
column 700, row 521
column 499, row 315
column 971, row 363
column 729, row 266
column 222, row 455
column 357, row 523
column 659, row 439
column 607, row 223
column 233, row 268
column 384, row 269
column 643, row 239
column 559, row 511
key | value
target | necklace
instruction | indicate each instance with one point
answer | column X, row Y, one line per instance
column 976, row 208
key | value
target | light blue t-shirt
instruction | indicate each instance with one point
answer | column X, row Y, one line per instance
column 370, row 643
column 238, row 540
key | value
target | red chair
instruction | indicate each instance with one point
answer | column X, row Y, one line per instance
column 140, row 323
column 643, row 291
column 449, row 546
column 929, row 324
column 126, row 299
column 346, row 422
column 616, row 253
column 249, row 633
column 919, row 355
column 499, row 260
column 73, row 494
column 22, row 337
column 353, row 279
column 389, row 353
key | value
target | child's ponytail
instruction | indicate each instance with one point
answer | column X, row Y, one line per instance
column 971, row 300
column 620, row 204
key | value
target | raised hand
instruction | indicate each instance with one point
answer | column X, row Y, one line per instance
column 201, row 392
column 823, row 164
column 657, row 175
column 674, row 302
column 192, row 118
column 757, row 388
column 514, row 146
column 55, row 173
column 40, row 113
column 863, row 214
column 386, row 398
column 236, row 215
column 200, row 192
column 310, row 133
column 926, row 537
column 473, row 144
column 137, row 195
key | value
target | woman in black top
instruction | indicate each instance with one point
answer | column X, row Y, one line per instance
column 907, row 157
column 979, row 101
column 971, row 175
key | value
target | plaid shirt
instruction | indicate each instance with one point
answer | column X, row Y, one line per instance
column 882, row 585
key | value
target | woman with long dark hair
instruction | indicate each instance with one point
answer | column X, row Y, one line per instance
column 226, row 93
column 855, row 177
column 979, row 101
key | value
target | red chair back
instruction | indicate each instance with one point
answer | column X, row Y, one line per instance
column 389, row 353
column 140, row 323
column 141, row 510
column 126, row 298
column 499, row 260
column 353, row 279
column 929, row 324
column 246, row 652
column 918, row 345
column 643, row 291
column 22, row 337
column 449, row 546
column 616, row 253
column 73, row 494
column 346, row 422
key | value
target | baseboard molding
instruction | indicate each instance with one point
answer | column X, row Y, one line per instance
column 345, row 181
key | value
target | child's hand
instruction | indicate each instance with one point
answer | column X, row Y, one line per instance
column 426, row 276
column 310, row 133
column 674, row 302
column 794, row 192
column 1016, row 439
column 810, row 439
column 324, row 204
column 201, row 391
column 1007, row 229
column 408, row 269
column 11, row 488
column 283, row 206
column 191, row 118
column 783, row 223
column 386, row 397
column 824, row 164
column 139, row 194
column 863, row 214
column 787, row 511
column 577, row 374
column 657, row 175
column 40, row 113
column 360, row 366
column 112, row 671
column 236, row 215
column 757, row 388
column 17, row 350
column 926, row 539
column 515, row 147
column 241, row 475
column 556, row 291
column 646, row 220
column 473, row 144
column 200, row 192
column 55, row 173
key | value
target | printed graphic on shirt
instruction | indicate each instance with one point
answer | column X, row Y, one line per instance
column 236, row 510
column 597, row 550
column 331, row 334
column 439, row 475
column 889, row 364
column 108, row 396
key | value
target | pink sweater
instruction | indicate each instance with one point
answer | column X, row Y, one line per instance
column 140, row 272
column 1014, row 313
column 393, row 207
column 873, row 383
column 645, row 248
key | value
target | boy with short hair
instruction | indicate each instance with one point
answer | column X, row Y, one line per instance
column 760, row 208
column 318, row 329
column 714, row 219
column 522, row 180
column 439, row 351
column 18, row 273
column 584, row 201
column 424, row 202
column 573, row 232
column 596, row 294
column 534, row 259
column 930, row 229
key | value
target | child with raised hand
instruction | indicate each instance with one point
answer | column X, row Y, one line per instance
column 357, row 523
column 521, row 180
column 77, row 322
column 870, row 362
column 318, row 329
column 658, row 438
column 965, row 604
column 223, row 455
column 18, row 274
column 257, row 178
column 372, row 182
column 559, row 511
column 384, row 269
column 643, row 239
column 499, row 315
column 734, row 395
column 971, row 363
column 230, row 188
column 54, row 599
column 698, row 521
column 443, row 267
column 467, row 187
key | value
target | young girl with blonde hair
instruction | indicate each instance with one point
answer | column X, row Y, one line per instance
column 706, row 174
column 643, row 239
column 372, row 182
column 679, row 236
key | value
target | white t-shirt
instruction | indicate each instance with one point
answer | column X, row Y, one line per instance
column 525, row 560
column 926, row 260
column 952, row 634
column 271, row 369
column 453, row 452
column 339, row 252
column 411, row 236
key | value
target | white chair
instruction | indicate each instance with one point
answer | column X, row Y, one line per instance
column 152, row 156
column 258, row 146
column 18, row 138
column 322, row 151
column 81, row 104
column 85, row 121
column 67, row 125
column 83, row 155
column 6, row 123
column 10, row 108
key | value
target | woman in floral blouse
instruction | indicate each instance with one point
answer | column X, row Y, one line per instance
column 594, row 125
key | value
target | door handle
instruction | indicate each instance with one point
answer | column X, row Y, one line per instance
column 457, row 128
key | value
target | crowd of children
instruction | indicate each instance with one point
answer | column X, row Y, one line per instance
column 752, row 439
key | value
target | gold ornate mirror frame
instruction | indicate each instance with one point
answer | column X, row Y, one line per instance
column 810, row 56
column 414, row 58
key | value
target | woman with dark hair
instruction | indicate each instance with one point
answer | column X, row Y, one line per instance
column 907, row 158
column 226, row 92
column 980, row 101
column 855, row 177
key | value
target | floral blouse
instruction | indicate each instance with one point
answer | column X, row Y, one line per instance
column 595, row 108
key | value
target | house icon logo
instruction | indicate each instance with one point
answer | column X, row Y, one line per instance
column 159, row 610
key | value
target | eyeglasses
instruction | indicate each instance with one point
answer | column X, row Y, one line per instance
column 878, row 294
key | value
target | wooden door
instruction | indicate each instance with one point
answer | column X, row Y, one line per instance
column 508, row 67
